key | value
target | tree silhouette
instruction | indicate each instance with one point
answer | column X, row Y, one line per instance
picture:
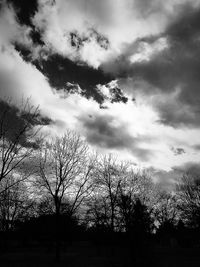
column 188, row 192
column 15, row 203
column 64, row 172
column 107, row 177
column 166, row 208
column 17, row 138
column 136, row 186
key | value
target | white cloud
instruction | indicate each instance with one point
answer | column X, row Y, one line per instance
column 10, row 29
column 19, row 78
column 121, row 22
column 146, row 51
column 105, row 90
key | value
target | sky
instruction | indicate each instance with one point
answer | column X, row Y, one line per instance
column 122, row 74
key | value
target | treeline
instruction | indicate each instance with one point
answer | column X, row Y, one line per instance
column 55, row 188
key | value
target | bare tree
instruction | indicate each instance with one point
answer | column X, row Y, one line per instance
column 108, row 176
column 136, row 187
column 166, row 208
column 98, row 212
column 64, row 172
column 17, row 137
column 15, row 203
column 188, row 193
column 139, row 185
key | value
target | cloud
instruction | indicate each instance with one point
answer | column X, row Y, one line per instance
column 25, row 10
column 167, row 73
column 168, row 179
column 11, row 30
column 145, row 51
column 20, row 78
column 70, row 36
column 177, row 151
column 165, row 179
column 191, row 168
column 106, row 132
column 166, row 61
column 79, row 35
column 196, row 147
column 111, row 92
column 83, row 63
column 61, row 71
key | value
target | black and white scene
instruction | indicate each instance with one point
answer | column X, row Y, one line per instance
column 100, row 133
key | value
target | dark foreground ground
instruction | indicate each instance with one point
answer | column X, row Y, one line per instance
column 84, row 254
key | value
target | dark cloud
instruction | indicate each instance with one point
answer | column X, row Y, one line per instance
column 197, row 147
column 174, row 68
column 178, row 151
column 186, row 26
column 191, row 168
column 165, row 179
column 78, row 41
column 13, row 121
column 23, row 51
column 117, row 95
column 169, row 179
column 61, row 71
column 25, row 10
column 114, row 94
column 104, row 132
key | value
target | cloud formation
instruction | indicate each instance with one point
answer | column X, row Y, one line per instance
column 83, row 62
column 178, row 151
column 12, row 31
column 106, row 132
column 167, row 71
column 190, row 168
column 95, row 31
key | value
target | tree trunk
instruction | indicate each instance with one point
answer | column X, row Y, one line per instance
column 112, row 217
column 57, row 238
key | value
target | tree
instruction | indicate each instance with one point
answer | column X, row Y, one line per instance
column 107, row 177
column 136, row 187
column 45, row 206
column 97, row 214
column 15, row 203
column 166, row 208
column 141, row 222
column 17, row 138
column 188, row 193
column 64, row 172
